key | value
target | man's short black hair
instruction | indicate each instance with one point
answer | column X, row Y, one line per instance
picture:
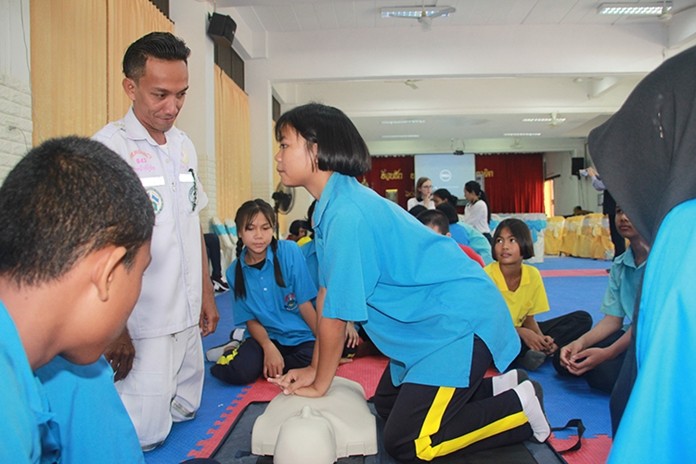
column 434, row 217
column 160, row 45
column 65, row 199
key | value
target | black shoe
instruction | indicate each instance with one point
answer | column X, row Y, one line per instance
column 220, row 285
column 531, row 360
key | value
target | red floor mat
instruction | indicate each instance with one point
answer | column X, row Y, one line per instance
column 574, row 273
column 367, row 371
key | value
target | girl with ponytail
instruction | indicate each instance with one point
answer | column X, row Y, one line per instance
column 272, row 292
column 476, row 212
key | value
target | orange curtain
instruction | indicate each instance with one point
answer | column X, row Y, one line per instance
column 76, row 51
column 232, row 145
column 514, row 183
column 68, row 67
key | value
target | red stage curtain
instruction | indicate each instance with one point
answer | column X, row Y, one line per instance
column 514, row 183
column 393, row 173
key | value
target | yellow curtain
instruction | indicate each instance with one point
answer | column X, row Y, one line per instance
column 128, row 20
column 68, row 63
column 77, row 48
column 232, row 145
column 283, row 223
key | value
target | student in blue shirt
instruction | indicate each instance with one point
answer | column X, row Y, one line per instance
column 646, row 153
column 599, row 354
column 271, row 290
column 474, row 238
column 75, row 231
column 428, row 307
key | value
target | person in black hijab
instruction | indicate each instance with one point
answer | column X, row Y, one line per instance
column 646, row 153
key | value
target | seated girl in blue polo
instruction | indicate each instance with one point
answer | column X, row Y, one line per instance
column 271, row 294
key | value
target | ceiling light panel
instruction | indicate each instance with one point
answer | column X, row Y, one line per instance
column 394, row 122
column 543, row 120
column 634, row 9
column 406, row 136
column 416, row 11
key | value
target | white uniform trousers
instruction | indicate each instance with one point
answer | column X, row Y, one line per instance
column 165, row 384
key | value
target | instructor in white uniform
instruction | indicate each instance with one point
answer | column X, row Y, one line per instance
column 158, row 360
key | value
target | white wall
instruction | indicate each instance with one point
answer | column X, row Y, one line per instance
column 15, row 88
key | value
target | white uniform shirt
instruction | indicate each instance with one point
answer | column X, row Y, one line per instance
column 170, row 300
column 476, row 215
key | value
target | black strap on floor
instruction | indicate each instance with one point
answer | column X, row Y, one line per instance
column 572, row 424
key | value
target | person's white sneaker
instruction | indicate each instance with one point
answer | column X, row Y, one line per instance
column 236, row 337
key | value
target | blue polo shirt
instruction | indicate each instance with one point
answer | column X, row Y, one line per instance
column 459, row 234
column 421, row 299
column 274, row 307
column 29, row 432
column 309, row 250
column 624, row 279
column 659, row 421
column 94, row 424
column 478, row 242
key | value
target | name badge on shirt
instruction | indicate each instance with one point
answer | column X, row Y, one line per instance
column 186, row 177
column 290, row 302
column 156, row 181
column 156, row 200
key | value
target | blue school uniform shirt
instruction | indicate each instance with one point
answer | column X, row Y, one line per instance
column 624, row 279
column 275, row 307
column 459, row 234
column 421, row 299
column 29, row 432
column 309, row 250
column 660, row 417
column 94, row 425
column 478, row 242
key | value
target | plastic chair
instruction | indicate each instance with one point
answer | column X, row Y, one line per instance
column 569, row 238
column 553, row 234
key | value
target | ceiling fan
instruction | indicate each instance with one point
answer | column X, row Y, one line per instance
column 424, row 14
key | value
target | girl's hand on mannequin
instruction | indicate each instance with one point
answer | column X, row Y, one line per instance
column 294, row 379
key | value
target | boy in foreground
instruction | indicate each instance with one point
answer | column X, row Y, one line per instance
column 75, row 229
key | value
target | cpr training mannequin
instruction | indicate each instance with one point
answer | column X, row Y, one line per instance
column 298, row 429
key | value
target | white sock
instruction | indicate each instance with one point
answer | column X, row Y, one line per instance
column 532, row 409
column 507, row 381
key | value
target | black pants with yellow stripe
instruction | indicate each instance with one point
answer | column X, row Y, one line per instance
column 423, row 422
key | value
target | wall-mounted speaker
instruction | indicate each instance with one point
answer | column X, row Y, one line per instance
column 221, row 29
column 576, row 165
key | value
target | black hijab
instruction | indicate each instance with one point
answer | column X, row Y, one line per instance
column 646, row 152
